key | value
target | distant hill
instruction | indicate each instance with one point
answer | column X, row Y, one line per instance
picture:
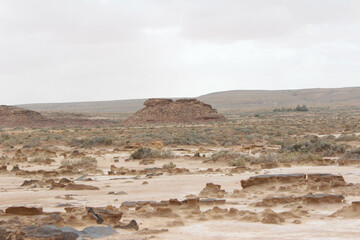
column 116, row 106
column 11, row 116
column 19, row 117
column 236, row 99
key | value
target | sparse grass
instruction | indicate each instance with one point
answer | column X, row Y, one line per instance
column 232, row 158
column 42, row 160
column 352, row 154
column 270, row 128
column 91, row 142
column 348, row 138
column 238, row 162
column 298, row 157
column 84, row 161
column 315, row 145
column 224, row 155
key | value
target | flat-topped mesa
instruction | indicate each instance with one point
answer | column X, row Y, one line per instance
column 169, row 111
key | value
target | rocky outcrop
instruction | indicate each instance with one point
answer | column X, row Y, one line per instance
column 212, row 190
column 299, row 178
column 307, row 199
column 179, row 111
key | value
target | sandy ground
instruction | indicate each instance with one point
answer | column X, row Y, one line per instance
column 179, row 186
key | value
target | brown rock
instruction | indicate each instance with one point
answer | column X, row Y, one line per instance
column 132, row 225
column 212, row 190
column 24, row 210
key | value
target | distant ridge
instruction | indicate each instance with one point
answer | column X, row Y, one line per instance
column 234, row 99
column 237, row 99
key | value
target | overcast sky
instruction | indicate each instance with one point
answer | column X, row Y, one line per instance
column 85, row 50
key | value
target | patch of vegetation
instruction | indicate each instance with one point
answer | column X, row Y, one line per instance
column 143, row 152
column 224, row 155
column 298, row 157
column 238, row 162
column 84, row 161
column 314, row 145
column 233, row 158
column 348, row 138
column 41, row 160
column 91, row 142
column 298, row 108
column 352, row 154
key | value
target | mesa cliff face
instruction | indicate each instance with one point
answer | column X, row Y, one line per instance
column 179, row 111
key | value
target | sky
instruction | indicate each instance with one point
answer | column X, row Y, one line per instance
column 93, row 50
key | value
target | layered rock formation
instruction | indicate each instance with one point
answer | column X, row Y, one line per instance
column 179, row 111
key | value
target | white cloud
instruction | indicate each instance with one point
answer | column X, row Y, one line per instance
column 76, row 50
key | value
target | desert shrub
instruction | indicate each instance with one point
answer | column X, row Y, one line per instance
column 233, row 158
column 348, row 138
column 298, row 108
column 143, row 152
column 91, row 142
column 268, row 158
column 197, row 154
column 302, row 108
column 169, row 165
column 352, row 154
column 298, row 157
column 32, row 144
column 315, row 145
column 83, row 161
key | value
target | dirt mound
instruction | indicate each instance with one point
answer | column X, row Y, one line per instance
column 19, row 117
column 179, row 111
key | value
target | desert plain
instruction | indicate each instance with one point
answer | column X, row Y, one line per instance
column 253, row 175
